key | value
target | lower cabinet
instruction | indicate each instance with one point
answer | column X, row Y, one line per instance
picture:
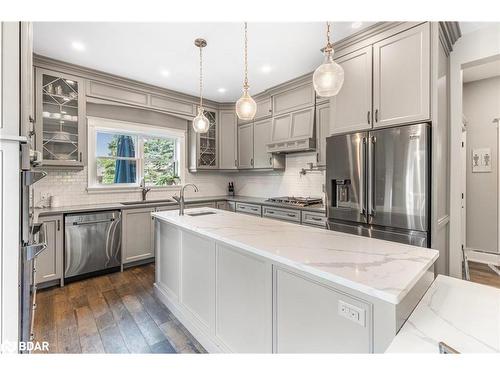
column 244, row 301
column 308, row 318
column 137, row 234
column 49, row 264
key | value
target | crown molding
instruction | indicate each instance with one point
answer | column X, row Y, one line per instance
column 449, row 33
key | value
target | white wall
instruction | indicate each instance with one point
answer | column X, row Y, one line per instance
column 481, row 104
column 477, row 45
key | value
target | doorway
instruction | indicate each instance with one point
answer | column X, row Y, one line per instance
column 480, row 199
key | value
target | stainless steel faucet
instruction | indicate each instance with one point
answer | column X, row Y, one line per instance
column 180, row 199
column 144, row 190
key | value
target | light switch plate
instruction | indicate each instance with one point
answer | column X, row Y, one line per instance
column 352, row 313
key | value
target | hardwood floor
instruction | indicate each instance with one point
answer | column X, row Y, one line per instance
column 114, row 313
column 481, row 273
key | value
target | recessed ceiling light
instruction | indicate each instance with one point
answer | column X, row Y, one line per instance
column 356, row 25
column 165, row 73
column 222, row 90
column 265, row 68
column 79, row 46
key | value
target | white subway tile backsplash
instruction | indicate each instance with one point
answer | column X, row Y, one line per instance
column 70, row 186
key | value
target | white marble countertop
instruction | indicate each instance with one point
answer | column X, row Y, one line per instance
column 462, row 314
column 382, row 269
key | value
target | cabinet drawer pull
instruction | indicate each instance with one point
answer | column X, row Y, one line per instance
column 316, row 218
column 270, row 212
column 291, row 215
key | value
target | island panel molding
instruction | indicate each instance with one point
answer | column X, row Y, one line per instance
column 382, row 281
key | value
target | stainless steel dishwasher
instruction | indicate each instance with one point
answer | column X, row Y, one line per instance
column 92, row 242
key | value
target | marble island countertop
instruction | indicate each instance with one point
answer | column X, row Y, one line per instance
column 382, row 269
column 462, row 314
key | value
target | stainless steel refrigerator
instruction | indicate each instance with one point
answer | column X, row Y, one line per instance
column 377, row 184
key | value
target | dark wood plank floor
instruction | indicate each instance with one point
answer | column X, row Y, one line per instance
column 481, row 273
column 114, row 313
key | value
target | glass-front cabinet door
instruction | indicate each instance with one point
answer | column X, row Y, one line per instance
column 207, row 144
column 60, row 118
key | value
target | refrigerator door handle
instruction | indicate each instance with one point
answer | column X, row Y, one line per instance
column 362, row 178
column 371, row 176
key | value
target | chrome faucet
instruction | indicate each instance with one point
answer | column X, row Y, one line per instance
column 144, row 190
column 180, row 199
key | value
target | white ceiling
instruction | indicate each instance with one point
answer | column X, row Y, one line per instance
column 469, row 27
column 163, row 54
column 482, row 71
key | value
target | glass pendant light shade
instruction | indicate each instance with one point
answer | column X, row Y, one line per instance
column 246, row 107
column 200, row 122
column 328, row 78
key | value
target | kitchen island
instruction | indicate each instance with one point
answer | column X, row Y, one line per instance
column 241, row 283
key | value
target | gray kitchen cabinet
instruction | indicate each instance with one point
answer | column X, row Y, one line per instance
column 49, row 264
column 168, row 104
column 264, row 108
column 116, row 93
column 401, row 80
column 137, row 235
column 60, row 118
column 204, row 147
column 322, row 131
column 285, row 214
column 293, row 99
column 228, row 137
column 351, row 108
column 314, row 218
column 261, row 137
column 248, row 208
column 245, row 146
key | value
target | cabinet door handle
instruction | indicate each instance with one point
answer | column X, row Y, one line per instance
column 80, row 157
column 317, row 157
column 376, row 115
column 236, row 163
column 271, row 160
column 31, row 119
column 251, row 162
column 368, row 117
column 58, row 225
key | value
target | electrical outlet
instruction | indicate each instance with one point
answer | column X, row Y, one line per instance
column 351, row 312
column 44, row 196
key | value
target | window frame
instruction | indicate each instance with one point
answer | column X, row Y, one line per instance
column 95, row 125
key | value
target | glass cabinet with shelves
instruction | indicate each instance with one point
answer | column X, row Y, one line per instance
column 59, row 118
column 204, row 146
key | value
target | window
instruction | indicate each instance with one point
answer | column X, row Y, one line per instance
column 122, row 155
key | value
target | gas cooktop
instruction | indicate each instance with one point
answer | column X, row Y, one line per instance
column 296, row 201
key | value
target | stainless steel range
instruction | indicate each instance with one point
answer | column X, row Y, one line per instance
column 296, row 201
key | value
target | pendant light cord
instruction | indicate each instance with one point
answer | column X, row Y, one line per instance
column 245, row 83
column 329, row 46
column 201, row 78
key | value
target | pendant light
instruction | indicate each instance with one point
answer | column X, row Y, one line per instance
column 329, row 76
column 200, row 122
column 246, row 106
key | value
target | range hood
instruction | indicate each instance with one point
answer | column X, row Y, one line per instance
column 293, row 132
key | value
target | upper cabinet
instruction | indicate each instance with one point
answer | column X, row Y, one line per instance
column 294, row 99
column 401, row 81
column 203, row 147
column 399, row 67
column 322, row 131
column 262, row 136
column 351, row 107
column 228, row 140
column 60, row 118
column 245, row 146
column 264, row 109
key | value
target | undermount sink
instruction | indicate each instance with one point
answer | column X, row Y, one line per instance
column 147, row 202
column 202, row 213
